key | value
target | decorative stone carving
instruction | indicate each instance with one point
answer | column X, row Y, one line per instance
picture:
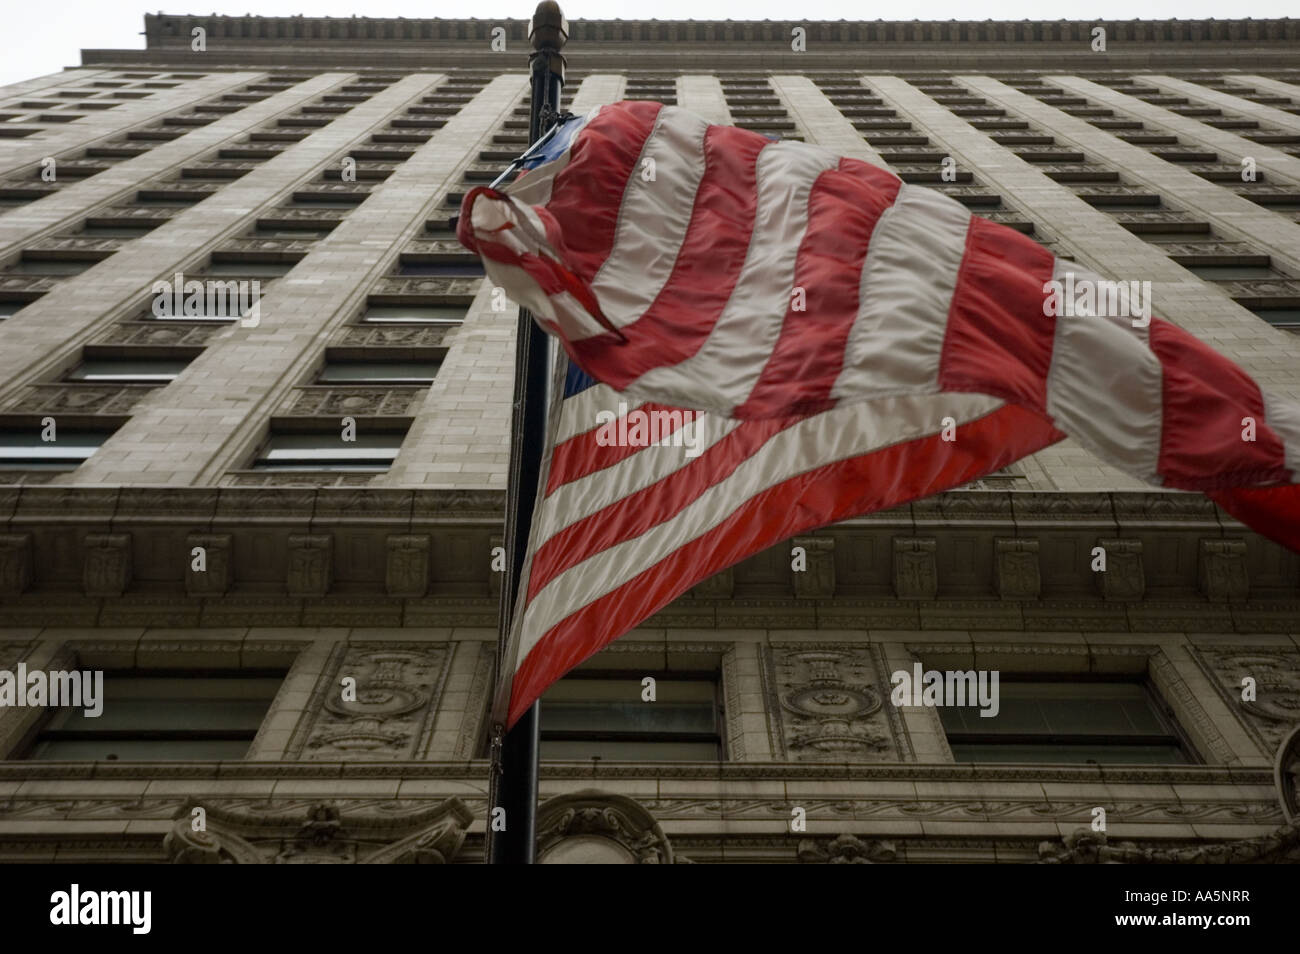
column 825, row 703
column 846, row 850
column 818, row 580
column 407, row 572
column 15, row 563
column 1124, row 578
column 109, row 399
column 107, row 570
column 1275, row 708
column 719, row 586
column 595, row 827
column 1286, row 775
column 396, row 692
column 916, row 573
column 1087, row 847
column 1015, row 569
column 432, row 836
column 1222, row 570
column 215, row 578
column 310, row 564
column 324, row 401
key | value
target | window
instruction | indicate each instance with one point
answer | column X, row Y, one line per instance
column 24, row 450
column 8, row 308
column 1287, row 319
column 326, row 450
column 378, row 372
column 1220, row 273
column 116, row 231
column 1080, row 721
column 414, row 315
column 51, row 266
column 129, row 370
column 603, row 716
column 248, row 269
column 163, row 715
column 468, row 269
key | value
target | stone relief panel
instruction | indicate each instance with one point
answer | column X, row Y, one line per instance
column 387, row 714
column 829, row 702
column 323, row 836
column 1275, row 709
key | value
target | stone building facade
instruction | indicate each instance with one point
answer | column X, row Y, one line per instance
column 298, row 639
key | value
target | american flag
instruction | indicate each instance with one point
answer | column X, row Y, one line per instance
column 852, row 343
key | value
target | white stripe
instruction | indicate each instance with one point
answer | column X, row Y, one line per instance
column 580, row 498
column 1283, row 417
column 906, row 289
column 653, row 217
column 842, row 432
column 535, row 187
column 1105, row 384
column 723, row 372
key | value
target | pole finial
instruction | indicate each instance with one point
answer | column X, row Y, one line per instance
column 548, row 30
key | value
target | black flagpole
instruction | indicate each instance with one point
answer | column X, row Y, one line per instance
column 512, row 836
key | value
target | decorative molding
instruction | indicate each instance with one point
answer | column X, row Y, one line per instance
column 407, row 570
column 476, row 714
column 595, row 826
column 1084, row 846
column 719, row 586
column 216, row 578
column 310, row 564
column 107, row 567
column 1015, row 569
column 323, row 836
column 826, row 702
column 1124, row 579
column 398, row 686
column 818, row 580
column 846, row 850
column 916, row 573
column 1222, row 570
column 1275, row 710
column 732, row 712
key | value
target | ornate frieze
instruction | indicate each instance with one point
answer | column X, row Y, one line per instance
column 375, row 701
column 829, row 702
column 1015, row 569
column 310, row 564
column 817, row 579
column 1124, row 578
column 407, row 570
column 846, row 850
column 595, row 827
column 107, row 567
column 208, row 570
column 1261, row 684
column 916, row 574
column 1222, row 570
column 324, row 836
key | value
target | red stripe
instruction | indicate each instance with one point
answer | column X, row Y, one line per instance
column 1205, row 398
column 636, row 513
column 998, row 341
column 843, row 208
column 708, row 265
column 1272, row 512
column 588, row 193
column 584, row 454
column 881, row 479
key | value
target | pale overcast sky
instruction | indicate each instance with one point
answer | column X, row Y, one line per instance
column 42, row 37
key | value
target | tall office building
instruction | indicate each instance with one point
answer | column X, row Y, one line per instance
column 254, row 430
